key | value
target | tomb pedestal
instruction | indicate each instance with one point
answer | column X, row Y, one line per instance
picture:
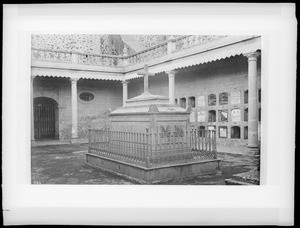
column 163, row 127
column 150, row 113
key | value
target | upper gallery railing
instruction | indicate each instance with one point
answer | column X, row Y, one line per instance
column 171, row 46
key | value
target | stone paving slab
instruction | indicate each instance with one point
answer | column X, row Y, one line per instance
column 65, row 164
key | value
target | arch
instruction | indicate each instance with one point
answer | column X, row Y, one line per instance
column 246, row 132
column 183, row 102
column 212, row 116
column 235, row 132
column 212, row 99
column 191, row 101
column 246, row 114
column 223, row 98
column 53, row 97
column 201, row 130
column 45, row 118
column 246, row 97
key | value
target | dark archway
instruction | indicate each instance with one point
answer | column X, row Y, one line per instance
column 45, row 118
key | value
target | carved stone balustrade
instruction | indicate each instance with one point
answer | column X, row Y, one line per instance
column 186, row 42
column 157, row 51
column 98, row 60
column 148, row 54
column 51, row 56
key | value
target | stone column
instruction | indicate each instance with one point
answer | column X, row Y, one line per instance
column 171, row 75
column 125, row 91
column 32, row 107
column 74, row 108
column 252, row 103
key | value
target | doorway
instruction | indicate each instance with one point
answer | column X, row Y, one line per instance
column 45, row 118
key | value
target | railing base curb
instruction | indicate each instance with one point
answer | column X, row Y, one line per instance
column 154, row 174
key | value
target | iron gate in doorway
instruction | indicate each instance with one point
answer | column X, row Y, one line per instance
column 45, row 113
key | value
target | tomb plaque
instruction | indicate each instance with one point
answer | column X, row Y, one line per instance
column 223, row 132
column 223, row 115
column 192, row 117
column 201, row 101
column 235, row 115
column 211, row 127
column 235, row 97
column 201, row 116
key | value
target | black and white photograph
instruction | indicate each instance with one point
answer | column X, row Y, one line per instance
column 149, row 114
column 167, row 109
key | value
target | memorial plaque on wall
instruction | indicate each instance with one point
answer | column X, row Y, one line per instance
column 236, row 97
column 235, row 115
column 223, row 115
column 223, row 132
column 192, row 117
column 201, row 101
column 211, row 127
column 201, row 116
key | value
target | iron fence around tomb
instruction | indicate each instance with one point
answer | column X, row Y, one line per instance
column 152, row 149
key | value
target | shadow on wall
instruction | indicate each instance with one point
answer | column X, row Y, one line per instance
column 100, row 121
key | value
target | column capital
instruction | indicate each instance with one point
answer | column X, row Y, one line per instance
column 252, row 55
column 124, row 82
column 74, row 80
column 32, row 77
column 171, row 73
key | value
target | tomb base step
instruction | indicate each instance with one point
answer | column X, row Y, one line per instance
column 154, row 174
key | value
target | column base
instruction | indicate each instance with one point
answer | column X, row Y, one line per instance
column 253, row 151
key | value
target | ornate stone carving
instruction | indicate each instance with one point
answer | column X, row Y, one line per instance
column 192, row 41
column 51, row 56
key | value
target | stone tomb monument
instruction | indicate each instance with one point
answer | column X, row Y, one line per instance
column 150, row 141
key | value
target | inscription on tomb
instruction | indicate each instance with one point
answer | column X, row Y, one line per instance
column 201, row 101
column 167, row 131
column 201, row 116
column 235, row 115
column 192, row 117
column 235, row 97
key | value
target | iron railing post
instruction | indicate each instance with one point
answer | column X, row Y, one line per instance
column 89, row 136
column 147, row 149
column 215, row 144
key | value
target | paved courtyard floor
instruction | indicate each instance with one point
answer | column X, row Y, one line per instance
column 65, row 164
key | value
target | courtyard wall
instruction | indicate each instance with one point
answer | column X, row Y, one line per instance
column 91, row 114
column 229, row 76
